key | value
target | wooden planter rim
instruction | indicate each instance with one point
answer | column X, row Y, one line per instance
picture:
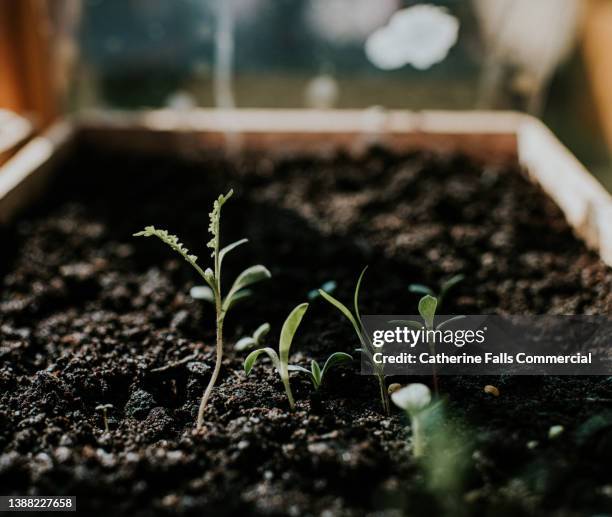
column 487, row 136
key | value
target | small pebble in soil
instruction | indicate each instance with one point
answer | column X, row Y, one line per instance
column 394, row 387
column 491, row 390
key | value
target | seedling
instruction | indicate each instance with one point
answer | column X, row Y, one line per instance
column 366, row 346
column 212, row 277
column 256, row 339
column 281, row 360
column 329, row 287
column 104, row 408
column 414, row 399
column 427, row 309
column 317, row 373
column 445, row 287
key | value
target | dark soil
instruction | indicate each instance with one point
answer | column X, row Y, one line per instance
column 88, row 313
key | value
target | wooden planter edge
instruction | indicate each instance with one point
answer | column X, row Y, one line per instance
column 487, row 135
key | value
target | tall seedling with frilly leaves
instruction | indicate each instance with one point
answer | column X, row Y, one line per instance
column 366, row 346
column 212, row 277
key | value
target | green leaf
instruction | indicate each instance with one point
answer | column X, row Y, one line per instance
column 248, row 277
column 356, row 296
column 239, row 296
column 245, row 343
column 202, row 292
column 315, row 370
column 408, row 323
column 174, row 243
column 229, row 248
column 252, row 357
column 448, row 321
column 261, row 332
column 427, row 309
column 334, row 359
column 214, row 220
column 288, row 331
column 298, row 368
column 343, row 309
column 420, row 289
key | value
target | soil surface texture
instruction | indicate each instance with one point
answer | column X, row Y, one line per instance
column 90, row 315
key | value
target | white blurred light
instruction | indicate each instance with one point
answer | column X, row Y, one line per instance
column 420, row 36
column 181, row 100
column 348, row 21
column 321, row 92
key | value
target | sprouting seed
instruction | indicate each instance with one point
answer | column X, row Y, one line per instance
column 317, row 373
column 255, row 339
column 104, row 409
column 212, row 292
column 281, row 360
column 414, row 399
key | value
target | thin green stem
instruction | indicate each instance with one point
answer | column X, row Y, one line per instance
column 287, row 386
column 384, row 394
column 215, row 374
column 418, row 440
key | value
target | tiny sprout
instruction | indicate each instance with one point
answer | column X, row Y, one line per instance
column 366, row 345
column 104, row 408
column 212, row 277
column 428, row 306
column 281, row 360
column 413, row 399
column 317, row 373
column 256, row 339
column 329, row 287
column 444, row 288
column 555, row 431
column 393, row 387
column 491, row 390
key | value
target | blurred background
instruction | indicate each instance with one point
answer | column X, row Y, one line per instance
column 551, row 58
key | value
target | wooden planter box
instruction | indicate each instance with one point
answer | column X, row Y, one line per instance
column 491, row 137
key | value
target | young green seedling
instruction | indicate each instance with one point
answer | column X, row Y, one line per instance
column 104, row 408
column 212, row 277
column 256, row 339
column 281, row 360
column 366, row 346
column 414, row 399
column 317, row 373
column 441, row 294
column 427, row 309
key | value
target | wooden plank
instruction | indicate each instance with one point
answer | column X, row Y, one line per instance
column 489, row 136
column 586, row 204
column 23, row 177
column 597, row 51
column 27, row 84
